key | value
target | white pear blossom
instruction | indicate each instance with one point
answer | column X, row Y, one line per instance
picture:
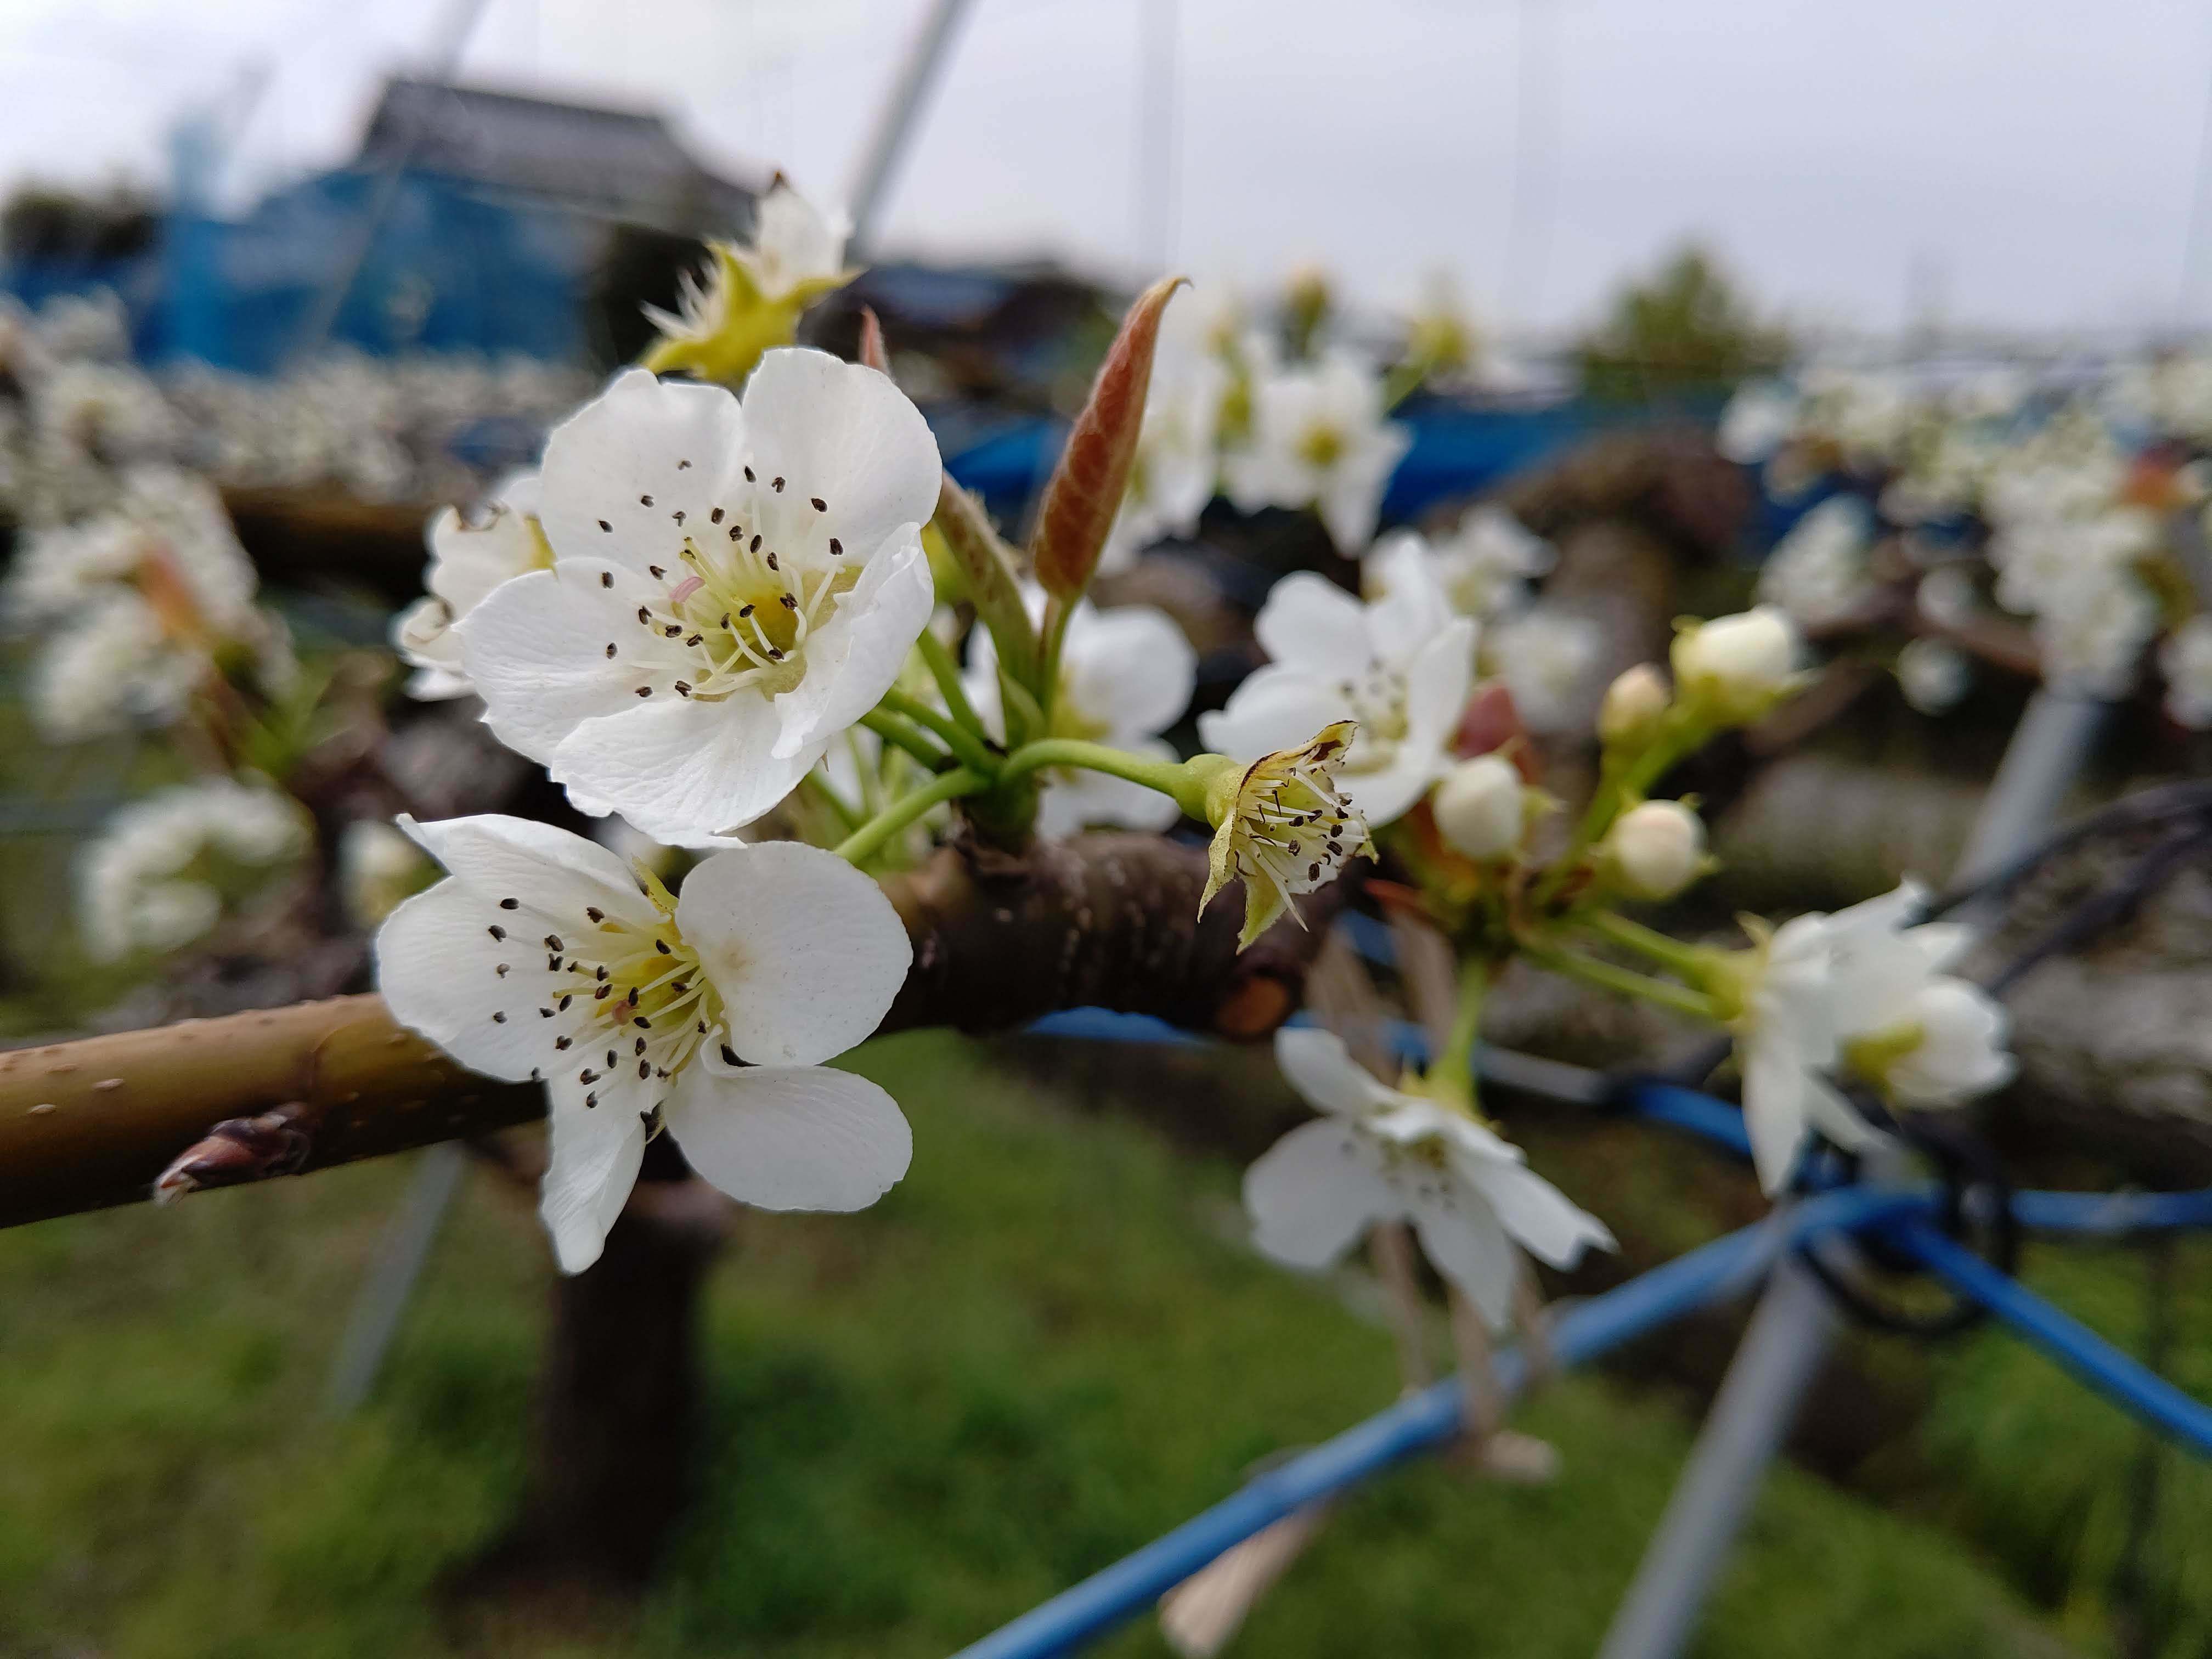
column 710, row 1014
column 468, row 559
column 159, row 874
column 1933, row 676
column 1488, row 561
column 2044, row 562
column 2093, row 631
column 732, row 585
column 1785, row 1036
column 1381, row 1154
column 1923, row 1036
column 1401, row 667
column 1126, row 675
column 1818, row 572
column 1758, row 420
column 1319, row 438
column 1863, row 991
column 2186, row 660
column 162, row 525
column 1548, row 659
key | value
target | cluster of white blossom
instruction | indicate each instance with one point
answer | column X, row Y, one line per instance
column 139, row 607
column 1229, row 411
column 710, row 613
column 2074, row 505
column 165, row 869
column 74, row 408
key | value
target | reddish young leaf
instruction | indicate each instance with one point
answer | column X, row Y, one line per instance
column 1085, row 490
column 872, row 342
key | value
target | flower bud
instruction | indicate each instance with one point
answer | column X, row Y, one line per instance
column 1737, row 666
column 1479, row 807
column 1633, row 703
column 1654, row 849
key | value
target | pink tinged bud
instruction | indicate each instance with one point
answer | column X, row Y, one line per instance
column 1633, row 703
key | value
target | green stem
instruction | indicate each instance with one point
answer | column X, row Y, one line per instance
column 1671, row 953
column 1171, row 778
column 969, row 746
column 1455, row 1065
column 866, row 841
column 1025, row 714
column 946, row 673
column 1626, row 981
column 895, row 731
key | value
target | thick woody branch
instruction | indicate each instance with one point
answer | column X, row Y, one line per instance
column 1107, row 920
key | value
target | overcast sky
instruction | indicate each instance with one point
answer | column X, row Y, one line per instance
column 2021, row 163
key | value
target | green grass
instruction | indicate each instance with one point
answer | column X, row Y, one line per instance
column 1042, row 1349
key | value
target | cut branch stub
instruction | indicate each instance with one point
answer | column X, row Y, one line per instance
column 1087, row 485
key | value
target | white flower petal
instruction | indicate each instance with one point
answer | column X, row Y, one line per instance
column 619, row 460
column 1465, row 1242
column 1535, row 1211
column 536, row 651
column 438, row 967
column 1320, row 1068
column 806, row 951
column 1275, row 708
column 1129, row 667
column 845, row 434
column 1313, row 1193
column 855, row 656
column 1310, row 623
column 797, row 1138
column 1774, row 1083
column 674, row 767
column 591, row 1164
column 549, row 873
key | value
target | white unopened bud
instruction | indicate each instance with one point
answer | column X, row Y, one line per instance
column 1738, row 665
column 1654, row 850
column 1479, row 809
column 1633, row 703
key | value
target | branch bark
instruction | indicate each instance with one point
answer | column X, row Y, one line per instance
column 1109, row 920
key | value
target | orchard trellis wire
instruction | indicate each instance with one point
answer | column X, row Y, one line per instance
column 1797, row 1249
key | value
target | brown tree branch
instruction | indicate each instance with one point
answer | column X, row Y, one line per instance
column 1108, row 920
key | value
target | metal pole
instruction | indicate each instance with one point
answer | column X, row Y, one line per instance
column 1793, row 1328
column 384, row 1294
column 1787, row 1339
column 872, row 182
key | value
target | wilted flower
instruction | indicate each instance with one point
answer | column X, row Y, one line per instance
column 1400, row 665
column 750, row 299
column 1283, row 826
column 1383, row 1154
column 543, row 955
column 732, row 585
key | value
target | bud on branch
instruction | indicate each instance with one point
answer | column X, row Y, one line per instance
column 1087, row 485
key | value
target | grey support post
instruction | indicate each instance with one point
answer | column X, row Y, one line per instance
column 1794, row 1327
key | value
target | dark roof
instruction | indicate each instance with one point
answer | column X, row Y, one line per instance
column 611, row 163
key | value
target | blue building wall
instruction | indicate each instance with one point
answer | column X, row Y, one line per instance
column 448, row 269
